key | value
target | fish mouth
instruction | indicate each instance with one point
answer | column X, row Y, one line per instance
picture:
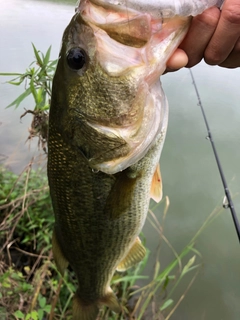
column 133, row 45
column 128, row 38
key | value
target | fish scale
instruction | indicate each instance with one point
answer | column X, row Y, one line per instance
column 97, row 257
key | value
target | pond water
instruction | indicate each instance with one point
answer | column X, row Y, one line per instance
column 189, row 171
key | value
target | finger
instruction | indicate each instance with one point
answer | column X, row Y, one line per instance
column 201, row 30
column 233, row 60
column 178, row 60
column 221, row 46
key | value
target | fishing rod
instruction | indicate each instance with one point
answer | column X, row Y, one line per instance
column 229, row 204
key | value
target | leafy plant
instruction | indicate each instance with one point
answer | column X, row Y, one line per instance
column 38, row 83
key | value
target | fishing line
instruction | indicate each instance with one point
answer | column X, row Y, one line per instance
column 229, row 204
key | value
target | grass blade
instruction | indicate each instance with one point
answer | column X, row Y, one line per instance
column 39, row 60
column 47, row 56
column 19, row 99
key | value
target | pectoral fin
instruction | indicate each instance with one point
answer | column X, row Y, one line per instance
column 135, row 255
column 58, row 256
column 156, row 187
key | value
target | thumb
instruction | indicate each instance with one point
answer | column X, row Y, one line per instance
column 178, row 60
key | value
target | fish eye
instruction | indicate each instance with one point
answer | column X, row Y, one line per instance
column 76, row 58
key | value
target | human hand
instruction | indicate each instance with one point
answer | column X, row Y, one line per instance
column 214, row 35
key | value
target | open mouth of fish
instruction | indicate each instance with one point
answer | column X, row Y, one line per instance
column 138, row 45
column 134, row 44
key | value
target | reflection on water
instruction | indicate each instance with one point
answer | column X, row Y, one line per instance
column 189, row 171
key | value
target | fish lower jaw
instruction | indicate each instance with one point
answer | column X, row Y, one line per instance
column 154, row 124
column 120, row 164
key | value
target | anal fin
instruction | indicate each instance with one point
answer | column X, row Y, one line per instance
column 156, row 187
column 136, row 253
column 60, row 260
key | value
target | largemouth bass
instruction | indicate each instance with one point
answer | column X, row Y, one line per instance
column 107, row 126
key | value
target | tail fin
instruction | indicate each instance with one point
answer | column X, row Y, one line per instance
column 83, row 311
